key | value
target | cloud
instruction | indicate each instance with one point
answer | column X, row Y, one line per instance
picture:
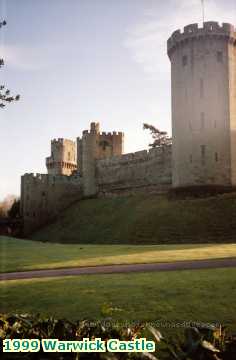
column 147, row 40
column 23, row 57
column 31, row 58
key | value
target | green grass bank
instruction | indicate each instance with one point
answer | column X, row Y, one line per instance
column 145, row 219
column 22, row 255
column 201, row 296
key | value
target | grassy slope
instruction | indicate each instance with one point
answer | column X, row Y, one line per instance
column 201, row 295
column 18, row 255
column 149, row 219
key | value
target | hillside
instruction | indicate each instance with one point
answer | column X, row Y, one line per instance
column 146, row 219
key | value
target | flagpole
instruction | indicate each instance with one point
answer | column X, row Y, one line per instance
column 203, row 11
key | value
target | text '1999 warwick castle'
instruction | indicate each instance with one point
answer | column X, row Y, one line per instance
column 203, row 84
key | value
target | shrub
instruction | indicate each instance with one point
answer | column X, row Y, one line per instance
column 208, row 343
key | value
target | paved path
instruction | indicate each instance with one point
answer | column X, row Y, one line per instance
column 113, row 269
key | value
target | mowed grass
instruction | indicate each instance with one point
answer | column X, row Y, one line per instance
column 197, row 295
column 21, row 255
column 145, row 219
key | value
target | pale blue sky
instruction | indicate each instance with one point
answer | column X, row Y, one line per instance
column 77, row 61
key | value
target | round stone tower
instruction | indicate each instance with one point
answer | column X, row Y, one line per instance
column 63, row 157
column 203, row 84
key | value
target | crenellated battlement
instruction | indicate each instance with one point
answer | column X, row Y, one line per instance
column 138, row 156
column 193, row 31
column 32, row 178
column 112, row 134
column 103, row 133
column 62, row 141
column 57, row 141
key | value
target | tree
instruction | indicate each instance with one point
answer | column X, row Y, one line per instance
column 160, row 138
column 14, row 211
column 5, row 95
column 2, row 213
column 6, row 204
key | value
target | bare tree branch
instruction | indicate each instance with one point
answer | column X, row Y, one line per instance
column 5, row 96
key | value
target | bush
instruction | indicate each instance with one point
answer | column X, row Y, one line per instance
column 207, row 343
column 14, row 211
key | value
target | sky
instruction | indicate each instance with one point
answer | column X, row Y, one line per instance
column 78, row 61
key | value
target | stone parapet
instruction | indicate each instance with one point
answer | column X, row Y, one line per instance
column 138, row 156
column 193, row 31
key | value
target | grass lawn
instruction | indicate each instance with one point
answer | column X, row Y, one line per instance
column 200, row 295
column 19, row 255
column 145, row 219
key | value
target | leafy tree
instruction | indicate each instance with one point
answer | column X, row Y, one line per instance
column 2, row 213
column 5, row 95
column 14, row 211
column 6, row 204
column 160, row 138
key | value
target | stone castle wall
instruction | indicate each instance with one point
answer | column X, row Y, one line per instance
column 44, row 196
column 139, row 171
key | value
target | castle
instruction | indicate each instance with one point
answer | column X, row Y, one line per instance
column 203, row 83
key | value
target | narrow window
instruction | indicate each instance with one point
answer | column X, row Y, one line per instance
column 219, row 56
column 68, row 156
column 184, row 60
column 216, row 156
column 203, row 154
column 202, row 120
column 191, row 158
column 201, row 88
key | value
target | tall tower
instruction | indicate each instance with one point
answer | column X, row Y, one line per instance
column 63, row 157
column 203, row 84
column 94, row 146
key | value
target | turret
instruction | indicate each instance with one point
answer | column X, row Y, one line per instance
column 203, row 82
column 63, row 157
column 93, row 146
